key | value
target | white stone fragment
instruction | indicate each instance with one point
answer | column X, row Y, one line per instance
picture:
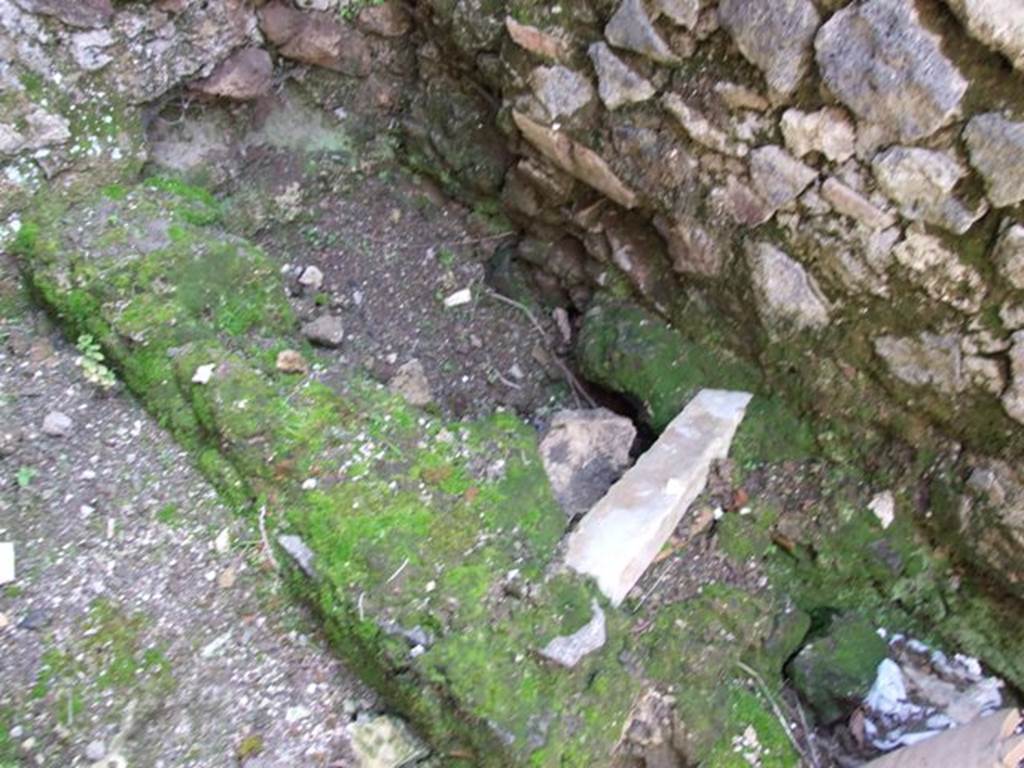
column 883, row 505
column 623, row 533
column 460, row 297
column 7, row 572
column 568, row 650
column 223, row 541
column 203, row 374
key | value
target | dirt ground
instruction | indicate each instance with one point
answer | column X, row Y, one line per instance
column 135, row 625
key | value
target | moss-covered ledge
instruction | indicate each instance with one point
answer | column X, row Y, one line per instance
column 432, row 541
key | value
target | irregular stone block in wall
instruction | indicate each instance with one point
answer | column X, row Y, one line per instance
column 940, row 272
column 879, row 61
column 777, row 176
column 75, row 13
column 993, row 534
column 584, row 452
column 996, row 147
column 1009, row 255
column 246, row 74
column 921, row 181
column 938, row 362
column 828, row 131
column 683, row 12
column 1013, row 399
column 575, row 159
column 787, row 296
column 773, row 35
column 561, row 90
column 315, row 38
column 537, row 42
column 618, row 83
column 623, row 533
column 700, row 128
column 997, row 23
column 850, row 202
column 630, row 28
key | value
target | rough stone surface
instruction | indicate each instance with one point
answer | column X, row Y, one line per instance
column 561, row 90
column 996, row 146
column 777, row 176
column 939, row 271
column 315, row 38
column 683, row 12
column 244, row 75
column 991, row 520
column 76, row 13
column 325, row 331
column 828, row 131
column 388, row 19
column 584, row 452
column 618, row 83
column 57, row 424
column 997, row 23
column 630, row 28
column 878, row 59
column 852, row 203
column 774, row 35
column 299, row 551
column 700, row 129
column 1013, row 400
column 623, row 533
column 787, row 296
column 1009, row 255
column 537, row 42
column 922, row 181
column 410, row 381
column 384, row 741
column 938, row 362
column 575, row 159
column 569, row 650
column 89, row 49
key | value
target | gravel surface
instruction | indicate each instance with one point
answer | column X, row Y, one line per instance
column 136, row 627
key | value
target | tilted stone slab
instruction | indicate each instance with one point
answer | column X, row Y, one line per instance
column 623, row 533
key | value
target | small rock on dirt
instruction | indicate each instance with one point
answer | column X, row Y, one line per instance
column 325, row 331
column 95, row 751
column 584, row 452
column 385, row 742
column 312, row 278
column 290, row 361
column 568, row 650
column 410, row 381
column 57, row 424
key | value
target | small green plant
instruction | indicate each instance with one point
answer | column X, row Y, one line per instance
column 24, row 476
column 91, row 361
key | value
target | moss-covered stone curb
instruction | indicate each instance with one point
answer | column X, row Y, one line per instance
column 433, row 541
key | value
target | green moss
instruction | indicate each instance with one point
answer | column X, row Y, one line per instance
column 746, row 713
column 8, row 748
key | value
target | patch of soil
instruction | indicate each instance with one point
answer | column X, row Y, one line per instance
column 392, row 249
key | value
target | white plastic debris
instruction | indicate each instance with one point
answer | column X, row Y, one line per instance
column 203, row 374
column 7, row 573
column 883, row 505
column 460, row 297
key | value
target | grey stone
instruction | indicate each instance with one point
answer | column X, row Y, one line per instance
column 1012, row 315
column 410, row 381
column 325, row 331
column 57, row 424
column 921, row 182
column 620, row 537
column 561, row 90
column 584, row 452
column 384, row 741
column 88, row 49
column 828, row 131
column 311, row 278
column 997, row 23
column 11, row 139
column 879, row 61
column 1009, row 255
column 1013, row 399
column 569, row 650
column 75, row 13
column 299, row 551
column 938, row 362
column 996, row 148
column 683, row 12
column 991, row 521
column 787, row 296
column 618, row 83
column 774, row 35
column 46, row 129
column 95, row 751
column 852, row 203
column 939, row 271
column 777, row 176
column 630, row 28
column 700, row 129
